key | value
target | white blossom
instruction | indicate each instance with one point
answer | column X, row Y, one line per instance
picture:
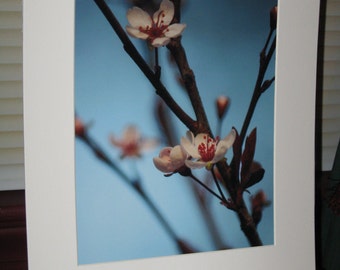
column 156, row 29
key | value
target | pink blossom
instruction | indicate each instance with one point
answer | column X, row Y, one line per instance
column 132, row 144
column 170, row 159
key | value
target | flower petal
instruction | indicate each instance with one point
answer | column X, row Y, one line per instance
column 163, row 162
column 200, row 138
column 165, row 152
column 223, row 146
column 115, row 141
column 190, row 136
column 168, row 10
column 148, row 144
column 218, row 156
column 162, row 41
column 163, row 165
column 177, row 156
column 195, row 164
column 131, row 134
column 188, row 146
column 221, row 150
column 138, row 18
column 174, row 30
column 136, row 33
column 229, row 139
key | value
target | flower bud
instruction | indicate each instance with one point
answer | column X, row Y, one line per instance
column 222, row 103
column 273, row 18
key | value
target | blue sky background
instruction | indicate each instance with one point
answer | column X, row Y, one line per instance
column 222, row 40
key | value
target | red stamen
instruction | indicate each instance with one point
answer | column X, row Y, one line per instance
column 157, row 29
column 207, row 149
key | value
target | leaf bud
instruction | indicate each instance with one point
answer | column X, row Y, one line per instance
column 273, row 18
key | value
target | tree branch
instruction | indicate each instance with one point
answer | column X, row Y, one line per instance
column 143, row 66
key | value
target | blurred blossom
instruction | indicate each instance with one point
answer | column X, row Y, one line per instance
column 80, row 128
column 204, row 150
column 157, row 29
column 258, row 202
column 170, row 159
column 132, row 144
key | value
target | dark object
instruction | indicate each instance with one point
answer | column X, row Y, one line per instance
column 330, row 218
column 13, row 240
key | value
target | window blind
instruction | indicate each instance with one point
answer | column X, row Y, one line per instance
column 331, row 85
column 11, row 107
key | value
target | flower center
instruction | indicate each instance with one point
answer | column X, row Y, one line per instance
column 157, row 29
column 131, row 149
column 207, row 149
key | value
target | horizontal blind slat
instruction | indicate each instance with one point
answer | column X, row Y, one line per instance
column 10, row 72
column 328, row 155
column 11, row 5
column 10, row 139
column 12, row 106
column 330, row 125
column 327, row 159
column 10, row 55
column 11, row 123
column 331, row 111
column 10, row 37
column 332, row 53
column 331, row 82
column 12, row 184
column 11, row 102
column 332, row 38
column 15, row 171
column 10, row 20
column 331, row 97
column 330, row 139
column 331, row 68
column 332, row 23
column 11, row 156
column 333, row 8
column 11, row 89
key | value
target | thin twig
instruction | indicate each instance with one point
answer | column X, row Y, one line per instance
column 217, row 184
column 134, row 184
column 264, row 62
column 207, row 188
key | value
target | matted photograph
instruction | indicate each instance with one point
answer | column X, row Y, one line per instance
column 170, row 134
column 174, row 107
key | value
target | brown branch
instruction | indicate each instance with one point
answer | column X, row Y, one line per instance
column 178, row 52
column 188, row 77
column 144, row 67
column 248, row 226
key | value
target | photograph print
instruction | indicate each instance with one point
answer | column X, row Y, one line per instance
column 174, row 127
